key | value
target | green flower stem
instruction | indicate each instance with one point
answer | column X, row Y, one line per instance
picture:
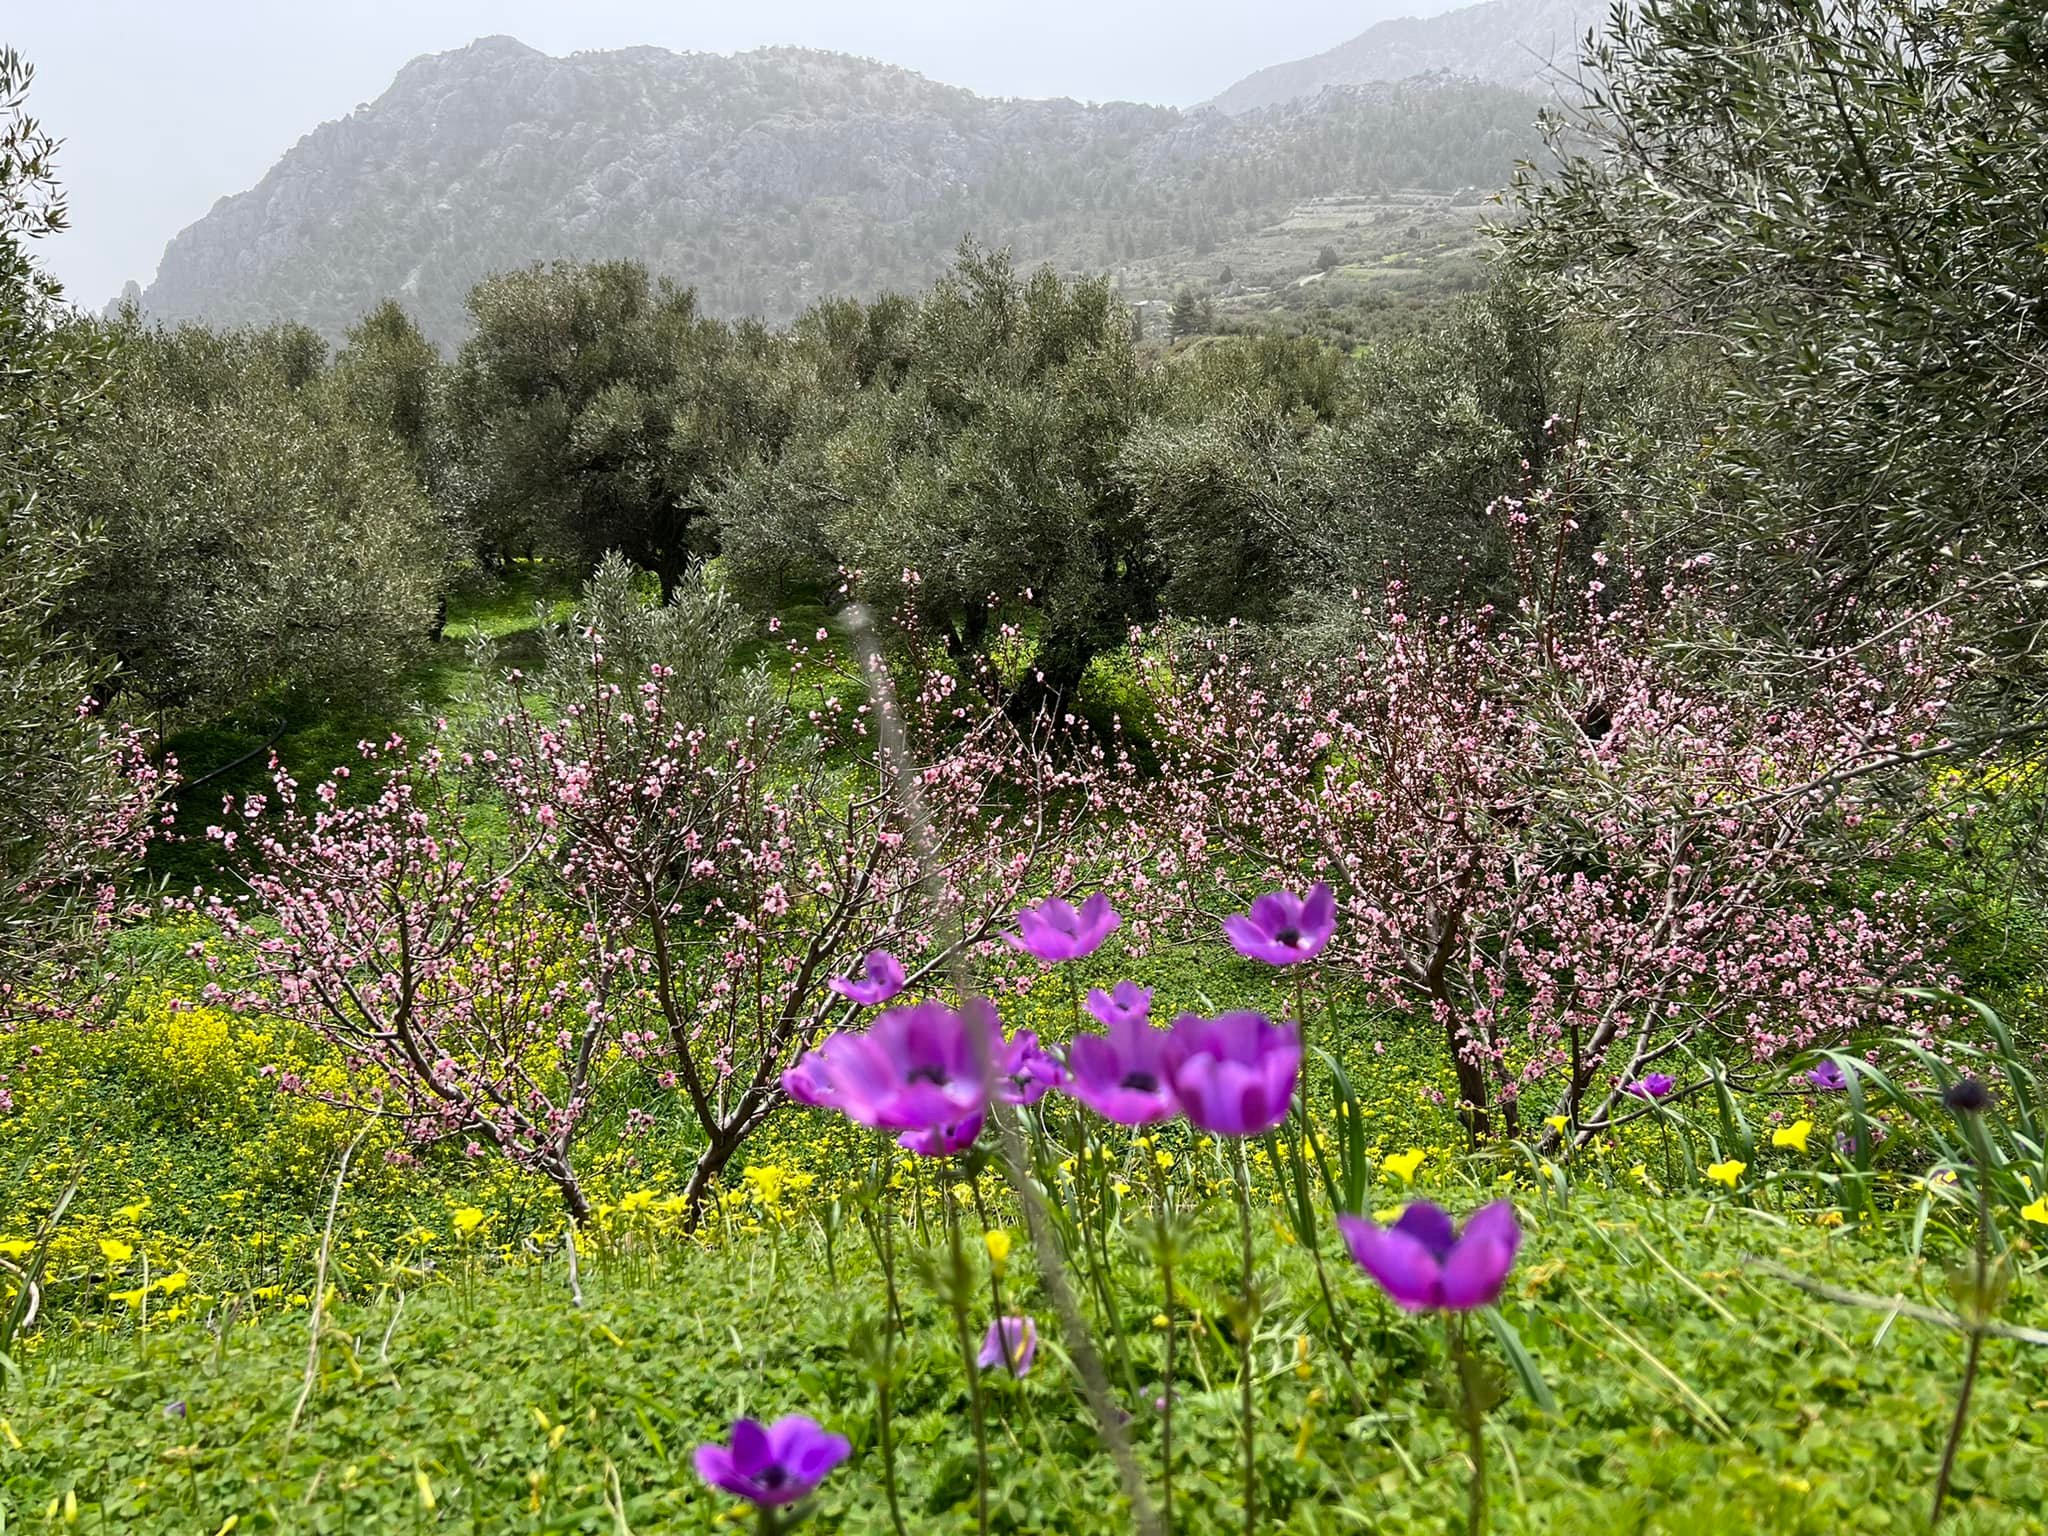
column 995, row 1282
column 1978, row 1314
column 1166, row 1374
column 955, row 1294
column 1467, row 1367
column 892, row 1330
column 1246, row 1327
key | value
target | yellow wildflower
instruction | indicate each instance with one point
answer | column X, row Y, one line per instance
column 1726, row 1173
column 2037, row 1212
column 1557, row 1122
column 173, row 1283
column 467, row 1220
column 426, row 1490
column 133, row 1213
column 998, row 1248
column 1389, row 1215
column 1403, row 1165
column 116, row 1251
column 17, row 1248
column 1793, row 1135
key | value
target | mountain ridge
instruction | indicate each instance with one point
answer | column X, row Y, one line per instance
column 1517, row 43
column 771, row 178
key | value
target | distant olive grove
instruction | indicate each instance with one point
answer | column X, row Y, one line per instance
column 996, row 456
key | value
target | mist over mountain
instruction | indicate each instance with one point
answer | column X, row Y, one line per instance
column 772, row 178
column 1519, row 43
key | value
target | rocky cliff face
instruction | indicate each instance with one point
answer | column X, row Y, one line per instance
column 1520, row 43
column 768, row 179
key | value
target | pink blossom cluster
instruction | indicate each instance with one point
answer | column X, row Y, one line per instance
column 1575, row 845
column 655, row 917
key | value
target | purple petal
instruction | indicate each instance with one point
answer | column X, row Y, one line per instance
column 1478, row 1266
column 1319, row 916
column 1019, row 1334
column 751, row 1448
column 806, row 1450
column 1274, row 911
column 1430, row 1225
column 1127, row 1002
column 1405, row 1270
column 1057, row 914
column 942, row 1140
column 1098, row 921
column 1253, row 942
column 714, row 1465
column 809, row 1081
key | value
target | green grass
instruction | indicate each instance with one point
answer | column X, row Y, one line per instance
column 1695, row 1393
column 1695, row 1398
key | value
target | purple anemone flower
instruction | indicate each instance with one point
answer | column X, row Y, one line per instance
column 773, row 1465
column 1025, row 1069
column 1123, row 1076
column 882, row 979
column 1014, row 1337
column 1828, row 1077
column 1422, row 1263
column 1128, row 1003
column 917, row 1068
column 1234, row 1074
column 1655, row 1086
column 1283, row 928
column 1056, row 930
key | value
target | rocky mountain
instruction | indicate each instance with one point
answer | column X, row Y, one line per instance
column 771, row 178
column 1519, row 43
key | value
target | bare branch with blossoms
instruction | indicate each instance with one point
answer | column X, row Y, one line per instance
column 732, row 866
column 463, row 1006
column 1550, row 834
column 683, row 862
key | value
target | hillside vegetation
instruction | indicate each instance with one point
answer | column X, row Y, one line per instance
column 772, row 179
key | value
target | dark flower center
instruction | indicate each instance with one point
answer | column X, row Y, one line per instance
column 1967, row 1096
column 926, row 1074
column 1291, row 937
column 772, row 1476
column 1141, row 1082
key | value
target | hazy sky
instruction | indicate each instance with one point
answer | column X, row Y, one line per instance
column 166, row 105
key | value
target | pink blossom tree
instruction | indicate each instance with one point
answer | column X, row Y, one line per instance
column 1575, row 844
column 88, row 798
column 683, row 860
column 462, row 1006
